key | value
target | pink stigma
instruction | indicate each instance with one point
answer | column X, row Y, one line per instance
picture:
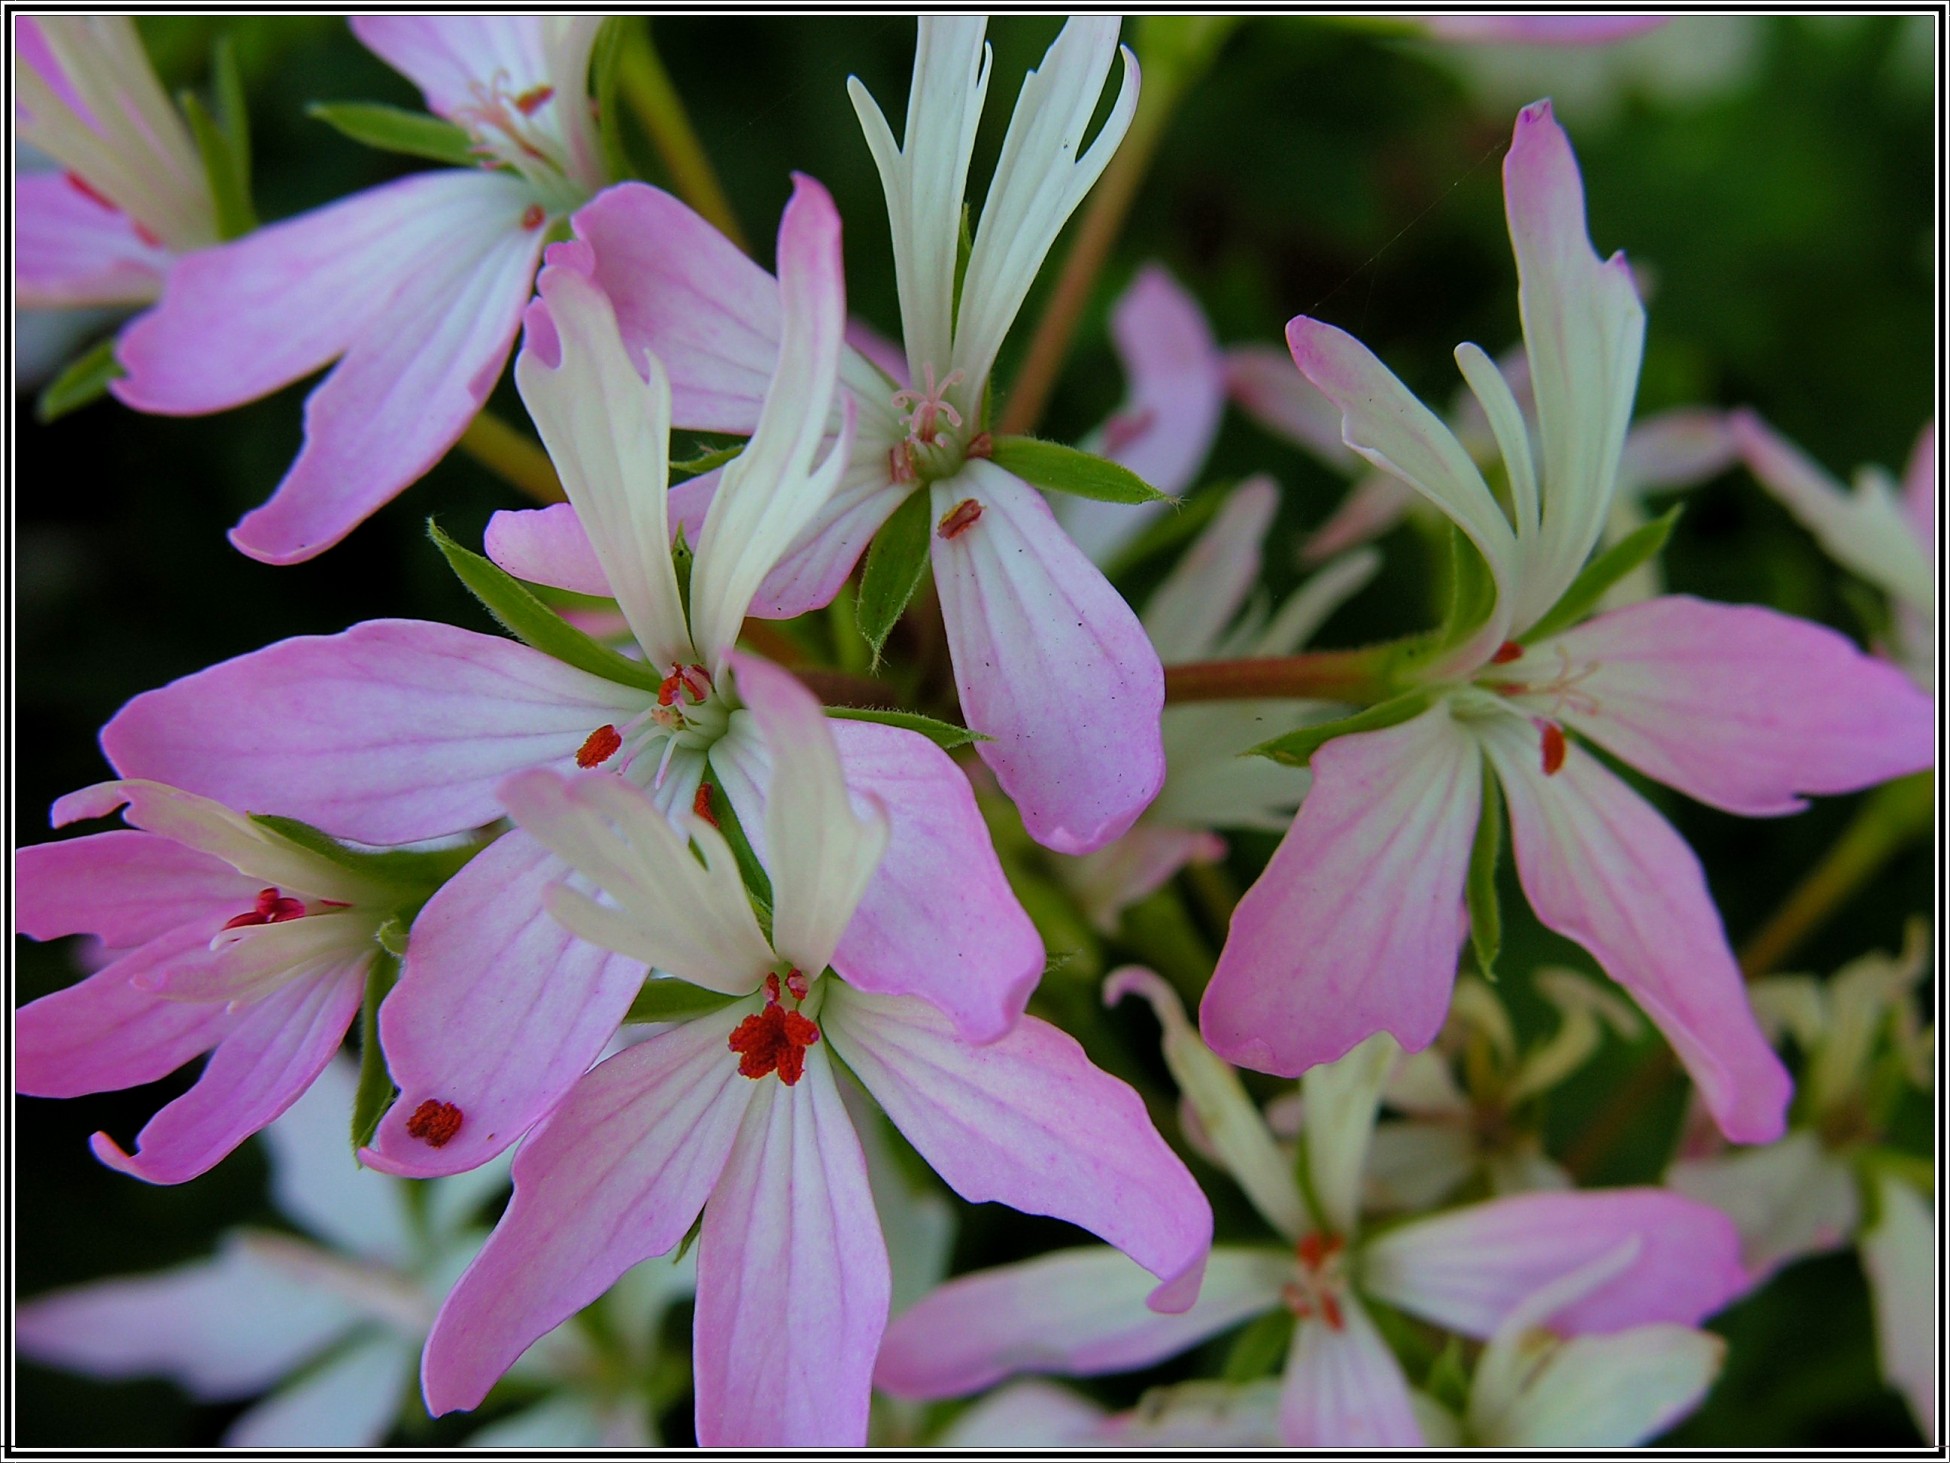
column 272, row 909
column 930, row 407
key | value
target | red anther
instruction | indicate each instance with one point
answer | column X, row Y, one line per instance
column 692, row 680
column 1553, row 747
column 772, row 989
column 434, row 1123
column 533, row 100
column 533, row 216
column 773, row 1040
column 272, row 909
column 701, row 804
column 600, row 746
column 145, row 233
column 959, row 519
column 1330, row 1311
column 87, row 190
column 1316, row 1249
column 1508, row 651
column 796, row 982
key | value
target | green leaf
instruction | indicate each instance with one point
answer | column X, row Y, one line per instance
column 1485, row 913
column 525, row 617
column 420, row 871
column 227, row 92
column 964, row 246
column 227, row 165
column 666, row 998
column 1258, row 1350
column 944, row 734
column 84, row 380
column 603, row 59
column 1296, row 747
column 394, row 129
column 1448, row 1380
column 705, row 462
column 1602, row 573
column 375, row 1092
column 1066, row 470
column 896, row 560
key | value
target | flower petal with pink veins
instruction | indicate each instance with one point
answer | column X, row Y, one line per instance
column 70, row 250
column 1028, row 1120
column 1077, row 1312
column 938, row 919
column 1469, row 1269
column 814, row 568
column 546, row 546
column 1353, row 927
column 792, row 1276
column 498, row 1010
column 393, row 731
column 615, row 1176
column 262, row 1065
column 1601, row 867
column 123, row 886
column 451, row 57
column 1050, row 662
column 1739, row 706
column 1344, row 1389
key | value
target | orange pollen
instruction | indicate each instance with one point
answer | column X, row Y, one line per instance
column 959, row 519
column 1316, row 1249
column 600, row 747
column 533, row 216
column 701, row 804
column 434, row 1123
column 1553, row 747
column 1508, row 651
column 272, row 908
column 533, row 100
column 773, row 1040
column 688, row 680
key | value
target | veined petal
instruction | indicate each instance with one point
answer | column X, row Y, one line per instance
column 1042, row 175
column 821, row 854
column 393, row 731
column 547, row 546
column 606, row 423
column 1027, row 1119
column 1898, row 1256
column 1583, row 330
column 498, row 1010
column 1789, row 1199
column 1077, row 1312
column 260, row 1067
column 124, row 887
column 1344, row 1388
column 615, row 1175
column 792, row 1279
column 926, row 179
column 251, row 962
column 1601, row 867
column 70, row 250
column 1190, row 609
column 772, row 489
column 1507, row 427
column 1050, row 662
column 350, row 1402
column 1469, row 1270
column 1354, row 925
column 1337, row 1104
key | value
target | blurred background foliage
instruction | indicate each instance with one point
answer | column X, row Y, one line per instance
column 1771, row 178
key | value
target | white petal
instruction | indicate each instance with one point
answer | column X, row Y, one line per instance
column 1338, row 1103
column 350, row 1402
column 1899, row 1256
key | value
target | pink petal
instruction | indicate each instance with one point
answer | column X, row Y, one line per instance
column 261, row 1066
column 70, row 250
column 1469, row 1269
column 1075, row 1312
column 498, row 1011
column 1176, row 379
column 393, row 731
column 1119, row 874
column 1353, row 927
column 1739, row 706
column 1919, row 485
column 1262, row 380
column 450, row 57
column 1676, row 449
column 815, row 568
column 615, row 1176
column 1050, row 662
column 1372, row 506
column 1601, row 867
column 792, row 1277
column 1029, row 1121
column 1344, row 1389
column 124, row 886
column 546, row 546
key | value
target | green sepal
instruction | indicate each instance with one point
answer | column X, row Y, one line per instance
column 1485, row 911
column 1297, row 747
column 604, row 57
column 420, row 871
column 1063, row 469
column 689, row 1239
column 530, row 621
column 896, row 560
column 375, row 1092
column 226, row 165
column 665, row 998
column 704, row 462
column 1448, row 1379
column 1602, row 573
column 394, row 129
column 393, row 936
column 1259, row 1348
column 683, row 559
column 944, row 734
column 85, row 379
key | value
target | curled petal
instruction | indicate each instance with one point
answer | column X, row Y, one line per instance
column 547, row 546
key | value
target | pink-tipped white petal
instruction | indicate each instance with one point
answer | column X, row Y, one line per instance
column 1353, row 927
column 1343, row 1387
column 792, row 1278
column 498, row 1010
column 616, row 1175
column 1601, row 867
column 1614, row 1391
column 1076, row 1312
column 1028, row 1120
column 547, row 546
column 1050, row 662
column 1899, row 1255
column 70, row 250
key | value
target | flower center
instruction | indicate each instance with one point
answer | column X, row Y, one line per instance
column 272, row 908
column 933, row 447
column 521, row 131
column 1319, row 1277
column 775, row 1039
column 686, row 713
column 1558, row 681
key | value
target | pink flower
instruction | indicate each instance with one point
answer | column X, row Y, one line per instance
column 414, row 288
column 739, row 1113
column 1353, row 927
column 1050, row 663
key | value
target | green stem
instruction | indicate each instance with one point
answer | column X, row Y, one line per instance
column 513, row 456
column 1320, row 675
column 647, row 86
